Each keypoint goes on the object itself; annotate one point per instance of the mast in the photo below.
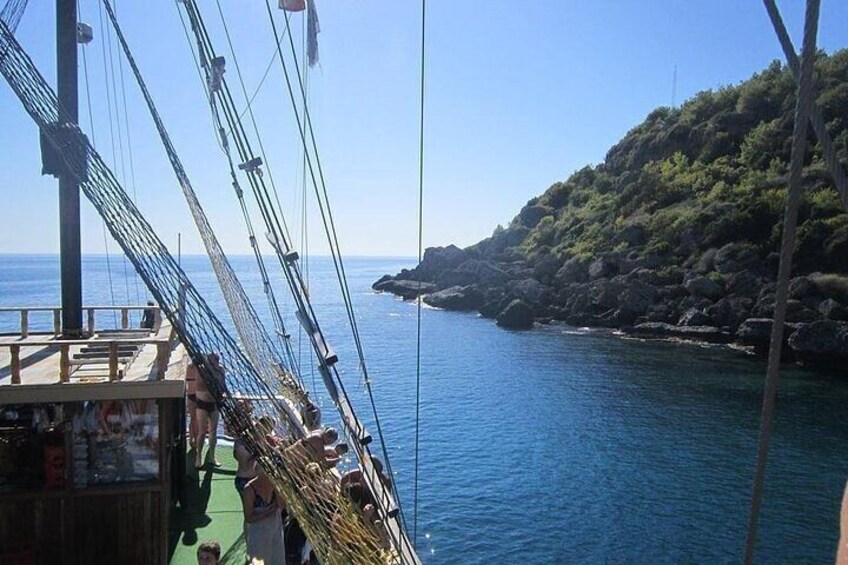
(69, 198)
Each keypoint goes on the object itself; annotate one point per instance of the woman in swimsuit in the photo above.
(263, 521)
(244, 459)
(246, 465)
(207, 418)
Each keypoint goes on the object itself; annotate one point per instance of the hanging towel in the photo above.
(313, 28)
(293, 5)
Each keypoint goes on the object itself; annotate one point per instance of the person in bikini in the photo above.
(262, 504)
(207, 414)
(244, 458)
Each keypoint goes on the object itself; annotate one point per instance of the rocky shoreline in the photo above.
(727, 296)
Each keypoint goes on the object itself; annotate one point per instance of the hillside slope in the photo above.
(676, 232)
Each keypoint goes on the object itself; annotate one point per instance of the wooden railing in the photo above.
(66, 363)
(90, 311)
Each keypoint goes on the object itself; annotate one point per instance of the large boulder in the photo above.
(603, 267)
(484, 272)
(574, 270)
(530, 291)
(672, 292)
(604, 294)
(661, 312)
(456, 298)
(822, 343)
(735, 257)
(704, 287)
(706, 262)
(796, 311)
(649, 276)
(404, 288)
(492, 307)
(756, 332)
(637, 296)
(693, 317)
(651, 261)
(833, 310)
(695, 333)
(671, 275)
(633, 234)
(517, 316)
(381, 280)
(578, 301)
(439, 259)
(729, 312)
(454, 277)
(545, 267)
(744, 283)
(531, 215)
(801, 287)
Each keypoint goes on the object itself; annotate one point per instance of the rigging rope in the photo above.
(249, 109)
(225, 108)
(309, 488)
(129, 143)
(329, 225)
(12, 13)
(304, 191)
(111, 92)
(420, 252)
(803, 104)
(281, 332)
(94, 143)
(253, 336)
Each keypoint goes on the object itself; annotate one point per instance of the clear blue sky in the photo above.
(519, 95)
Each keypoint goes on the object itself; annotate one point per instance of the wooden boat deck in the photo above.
(212, 511)
(46, 368)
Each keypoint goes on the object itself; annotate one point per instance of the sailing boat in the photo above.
(341, 530)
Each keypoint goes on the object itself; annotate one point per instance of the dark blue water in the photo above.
(558, 445)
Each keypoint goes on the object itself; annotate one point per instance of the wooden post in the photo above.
(166, 451)
(113, 361)
(57, 321)
(24, 322)
(162, 349)
(69, 194)
(90, 321)
(15, 350)
(125, 319)
(64, 363)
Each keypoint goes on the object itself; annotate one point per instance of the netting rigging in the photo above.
(84, 50)
(226, 119)
(306, 485)
(252, 336)
(12, 13)
(255, 340)
(113, 115)
(324, 208)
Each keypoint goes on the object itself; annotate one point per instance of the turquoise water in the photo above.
(556, 445)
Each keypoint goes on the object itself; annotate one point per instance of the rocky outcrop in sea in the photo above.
(726, 297)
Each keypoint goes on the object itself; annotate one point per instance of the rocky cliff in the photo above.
(676, 233)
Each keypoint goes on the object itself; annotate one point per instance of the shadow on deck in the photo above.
(212, 511)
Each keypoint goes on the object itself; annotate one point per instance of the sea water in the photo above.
(556, 445)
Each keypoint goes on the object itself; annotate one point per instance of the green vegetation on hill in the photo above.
(694, 178)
